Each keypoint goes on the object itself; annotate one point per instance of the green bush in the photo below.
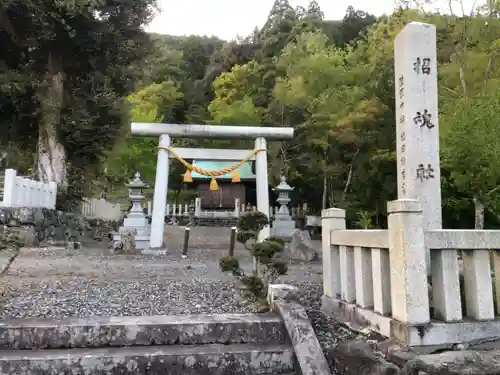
(229, 264)
(268, 261)
(277, 239)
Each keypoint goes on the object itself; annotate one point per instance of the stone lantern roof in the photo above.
(137, 183)
(283, 186)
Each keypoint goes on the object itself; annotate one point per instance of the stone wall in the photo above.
(41, 226)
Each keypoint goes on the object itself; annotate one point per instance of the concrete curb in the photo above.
(309, 355)
(352, 357)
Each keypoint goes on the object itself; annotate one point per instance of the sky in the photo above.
(228, 19)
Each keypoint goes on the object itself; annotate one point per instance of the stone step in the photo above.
(212, 359)
(99, 332)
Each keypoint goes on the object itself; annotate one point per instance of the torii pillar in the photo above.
(260, 134)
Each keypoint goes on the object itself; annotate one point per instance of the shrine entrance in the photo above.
(165, 152)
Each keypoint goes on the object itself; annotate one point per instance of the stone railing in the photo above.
(177, 210)
(20, 191)
(93, 208)
(379, 278)
(182, 210)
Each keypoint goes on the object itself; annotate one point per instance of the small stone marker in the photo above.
(185, 246)
(232, 241)
(419, 174)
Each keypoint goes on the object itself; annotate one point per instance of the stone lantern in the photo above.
(284, 191)
(283, 225)
(136, 220)
(136, 194)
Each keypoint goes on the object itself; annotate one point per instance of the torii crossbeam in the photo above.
(259, 133)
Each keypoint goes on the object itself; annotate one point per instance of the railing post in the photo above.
(331, 219)
(232, 241)
(478, 288)
(37, 193)
(51, 201)
(45, 194)
(409, 289)
(23, 192)
(237, 207)
(17, 200)
(197, 207)
(29, 194)
(8, 187)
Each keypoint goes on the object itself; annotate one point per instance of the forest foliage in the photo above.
(332, 80)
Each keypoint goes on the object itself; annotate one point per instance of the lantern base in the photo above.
(139, 225)
(283, 229)
(153, 252)
(141, 242)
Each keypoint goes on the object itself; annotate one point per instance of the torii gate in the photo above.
(165, 131)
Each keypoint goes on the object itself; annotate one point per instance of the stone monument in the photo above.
(417, 126)
(136, 220)
(283, 225)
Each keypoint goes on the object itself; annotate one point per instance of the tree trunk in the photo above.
(325, 192)
(478, 214)
(51, 161)
(349, 177)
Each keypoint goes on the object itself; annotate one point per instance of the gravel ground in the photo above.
(54, 282)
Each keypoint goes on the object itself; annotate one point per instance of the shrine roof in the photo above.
(245, 171)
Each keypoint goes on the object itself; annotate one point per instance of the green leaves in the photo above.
(229, 264)
(333, 81)
(471, 146)
(93, 48)
(268, 262)
(132, 154)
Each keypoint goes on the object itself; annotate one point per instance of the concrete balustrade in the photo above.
(24, 192)
(379, 278)
(182, 210)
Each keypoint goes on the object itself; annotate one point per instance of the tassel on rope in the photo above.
(213, 185)
(236, 176)
(187, 176)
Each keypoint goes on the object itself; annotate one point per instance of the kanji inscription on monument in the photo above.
(417, 124)
(424, 173)
(402, 147)
(417, 137)
(423, 118)
(422, 65)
